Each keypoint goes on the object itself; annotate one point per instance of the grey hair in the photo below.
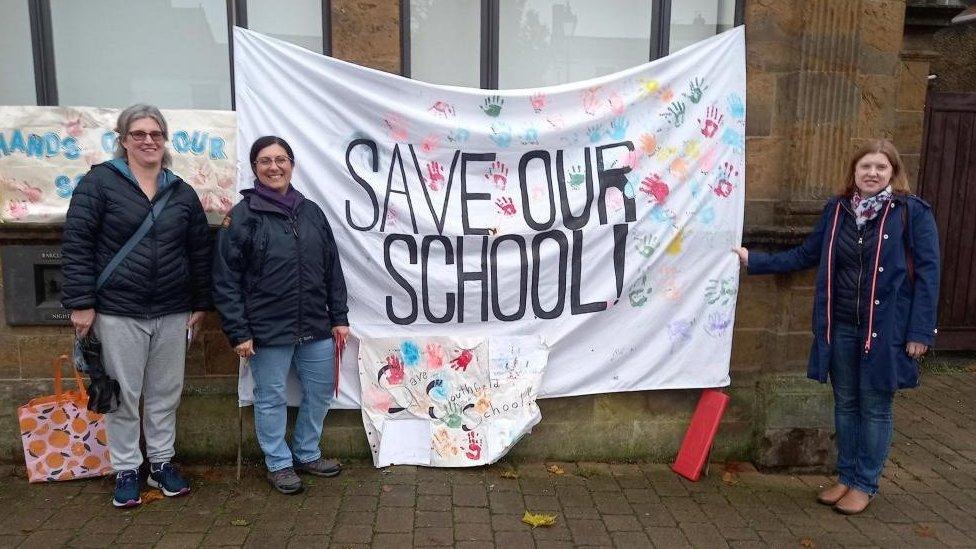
(138, 112)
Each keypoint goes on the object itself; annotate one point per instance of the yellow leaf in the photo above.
(555, 469)
(534, 520)
(150, 496)
(239, 522)
(924, 531)
(729, 478)
(509, 473)
(807, 542)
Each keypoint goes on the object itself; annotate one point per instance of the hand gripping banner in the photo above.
(596, 217)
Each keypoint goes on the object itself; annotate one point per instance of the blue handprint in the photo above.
(737, 108)
(410, 352)
(501, 134)
(530, 137)
(459, 136)
(734, 139)
(595, 133)
(618, 128)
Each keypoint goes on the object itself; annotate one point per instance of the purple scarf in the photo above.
(288, 201)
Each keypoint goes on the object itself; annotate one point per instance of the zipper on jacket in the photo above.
(860, 274)
(298, 254)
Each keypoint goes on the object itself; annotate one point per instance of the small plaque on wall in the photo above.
(32, 286)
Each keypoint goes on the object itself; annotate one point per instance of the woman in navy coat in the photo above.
(876, 249)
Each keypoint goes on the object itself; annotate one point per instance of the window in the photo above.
(112, 53)
(544, 42)
(298, 21)
(16, 55)
(529, 43)
(444, 45)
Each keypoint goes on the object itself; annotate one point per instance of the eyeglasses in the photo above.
(140, 135)
(265, 162)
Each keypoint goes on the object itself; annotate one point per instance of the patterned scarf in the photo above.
(866, 209)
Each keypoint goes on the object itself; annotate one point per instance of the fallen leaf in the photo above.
(807, 542)
(925, 530)
(509, 473)
(730, 478)
(534, 520)
(555, 469)
(150, 496)
(239, 522)
(387, 488)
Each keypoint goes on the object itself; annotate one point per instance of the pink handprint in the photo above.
(474, 446)
(435, 356)
(708, 160)
(655, 187)
(712, 121)
(430, 143)
(33, 194)
(538, 101)
(679, 168)
(225, 182)
(617, 105)
(506, 206)
(394, 370)
(435, 176)
(497, 174)
(633, 159)
(73, 126)
(17, 209)
(225, 205)
(397, 128)
(442, 108)
(460, 363)
(591, 101)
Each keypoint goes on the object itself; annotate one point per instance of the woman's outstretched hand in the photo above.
(916, 349)
(743, 255)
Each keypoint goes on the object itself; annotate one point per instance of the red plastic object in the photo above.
(701, 432)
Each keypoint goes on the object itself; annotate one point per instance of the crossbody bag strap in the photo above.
(141, 232)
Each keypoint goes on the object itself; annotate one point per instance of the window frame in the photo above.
(658, 45)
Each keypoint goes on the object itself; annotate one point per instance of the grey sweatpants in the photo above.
(146, 356)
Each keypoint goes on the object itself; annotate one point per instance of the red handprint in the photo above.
(712, 121)
(538, 101)
(430, 143)
(460, 363)
(506, 206)
(591, 101)
(225, 205)
(435, 356)
(724, 186)
(442, 108)
(33, 194)
(655, 187)
(394, 370)
(397, 127)
(497, 174)
(474, 446)
(435, 176)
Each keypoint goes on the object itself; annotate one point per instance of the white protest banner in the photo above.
(45, 151)
(448, 402)
(597, 216)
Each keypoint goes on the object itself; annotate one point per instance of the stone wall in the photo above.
(822, 76)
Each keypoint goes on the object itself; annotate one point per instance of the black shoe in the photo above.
(321, 467)
(285, 481)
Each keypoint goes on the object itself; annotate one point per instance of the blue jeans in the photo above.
(862, 417)
(270, 364)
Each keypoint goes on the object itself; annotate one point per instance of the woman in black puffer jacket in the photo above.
(140, 287)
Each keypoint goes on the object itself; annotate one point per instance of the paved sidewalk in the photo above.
(928, 498)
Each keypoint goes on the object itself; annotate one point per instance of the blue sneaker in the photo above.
(127, 489)
(165, 477)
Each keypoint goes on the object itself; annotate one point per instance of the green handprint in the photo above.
(452, 417)
(639, 290)
(493, 105)
(646, 244)
(676, 113)
(576, 177)
(720, 290)
(695, 86)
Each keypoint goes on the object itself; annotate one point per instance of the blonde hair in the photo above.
(899, 180)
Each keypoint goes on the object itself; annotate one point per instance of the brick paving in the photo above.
(927, 499)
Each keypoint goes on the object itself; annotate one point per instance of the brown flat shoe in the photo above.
(832, 495)
(853, 502)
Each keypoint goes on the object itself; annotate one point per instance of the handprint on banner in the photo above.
(591, 101)
(632, 159)
(460, 362)
(736, 107)
(665, 154)
(696, 90)
(497, 174)
(442, 108)
(396, 127)
(711, 123)
(640, 290)
(648, 144)
(708, 160)
(576, 177)
(459, 136)
(394, 370)
(655, 188)
(675, 113)
(493, 105)
(538, 101)
(444, 443)
(530, 136)
(679, 169)
(617, 105)
(17, 209)
(718, 323)
(645, 244)
(648, 88)
(720, 290)
(430, 143)
(501, 134)
(735, 139)
(435, 356)
(30, 192)
(474, 446)
(435, 176)
(692, 148)
(724, 185)
(667, 94)
(506, 206)
(618, 128)
(595, 133)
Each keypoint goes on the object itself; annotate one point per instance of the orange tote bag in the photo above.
(62, 439)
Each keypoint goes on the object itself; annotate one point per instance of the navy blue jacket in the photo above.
(899, 309)
(277, 275)
(167, 272)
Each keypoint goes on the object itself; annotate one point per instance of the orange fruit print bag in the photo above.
(62, 439)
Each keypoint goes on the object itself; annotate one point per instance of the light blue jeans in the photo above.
(270, 364)
(862, 417)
